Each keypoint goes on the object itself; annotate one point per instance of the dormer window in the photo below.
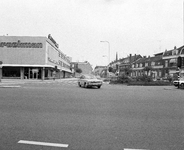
(175, 52)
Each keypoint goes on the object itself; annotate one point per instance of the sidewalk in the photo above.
(5, 82)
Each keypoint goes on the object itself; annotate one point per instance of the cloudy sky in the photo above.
(130, 26)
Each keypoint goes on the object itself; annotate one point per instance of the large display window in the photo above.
(13, 72)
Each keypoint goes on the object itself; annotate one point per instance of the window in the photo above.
(152, 63)
(166, 63)
(175, 52)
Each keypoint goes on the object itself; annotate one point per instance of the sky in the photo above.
(142, 27)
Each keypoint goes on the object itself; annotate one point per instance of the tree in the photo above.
(103, 73)
(110, 69)
(78, 70)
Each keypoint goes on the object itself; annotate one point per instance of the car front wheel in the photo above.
(85, 85)
(99, 86)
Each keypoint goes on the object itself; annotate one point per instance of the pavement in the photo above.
(18, 82)
(13, 83)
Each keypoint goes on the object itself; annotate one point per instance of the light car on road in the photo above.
(179, 83)
(89, 81)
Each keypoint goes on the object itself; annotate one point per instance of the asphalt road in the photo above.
(114, 117)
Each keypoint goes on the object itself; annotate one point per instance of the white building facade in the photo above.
(28, 57)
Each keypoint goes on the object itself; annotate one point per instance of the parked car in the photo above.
(89, 81)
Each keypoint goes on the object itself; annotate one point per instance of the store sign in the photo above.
(53, 61)
(20, 44)
(60, 63)
(53, 41)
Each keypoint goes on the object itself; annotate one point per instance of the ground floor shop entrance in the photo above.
(33, 73)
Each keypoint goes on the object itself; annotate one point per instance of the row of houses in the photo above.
(160, 65)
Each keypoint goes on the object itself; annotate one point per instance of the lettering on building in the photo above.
(20, 44)
(53, 41)
(62, 64)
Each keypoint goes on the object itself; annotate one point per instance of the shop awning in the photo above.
(25, 65)
(66, 69)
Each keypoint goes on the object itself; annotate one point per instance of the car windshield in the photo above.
(90, 77)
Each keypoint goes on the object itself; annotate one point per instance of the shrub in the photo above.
(144, 78)
(123, 78)
(78, 70)
(154, 83)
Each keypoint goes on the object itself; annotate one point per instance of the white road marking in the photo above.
(10, 86)
(134, 149)
(43, 143)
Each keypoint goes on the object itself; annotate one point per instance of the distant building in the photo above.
(99, 69)
(170, 61)
(84, 66)
(155, 65)
(126, 63)
(32, 57)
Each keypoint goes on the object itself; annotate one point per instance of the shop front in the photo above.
(26, 57)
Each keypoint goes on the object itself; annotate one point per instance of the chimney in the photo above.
(135, 57)
(116, 56)
(130, 58)
(175, 47)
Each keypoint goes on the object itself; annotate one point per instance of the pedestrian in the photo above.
(54, 75)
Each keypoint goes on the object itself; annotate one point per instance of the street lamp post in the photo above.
(108, 50)
(108, 54)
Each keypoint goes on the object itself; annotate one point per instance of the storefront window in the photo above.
(11, 72)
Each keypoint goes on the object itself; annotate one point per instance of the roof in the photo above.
(100, 67)
(156, 58)
(149, 59)
(141, 60)
(86, 62)
(180, 50)
(159, 54)
(168, 53)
